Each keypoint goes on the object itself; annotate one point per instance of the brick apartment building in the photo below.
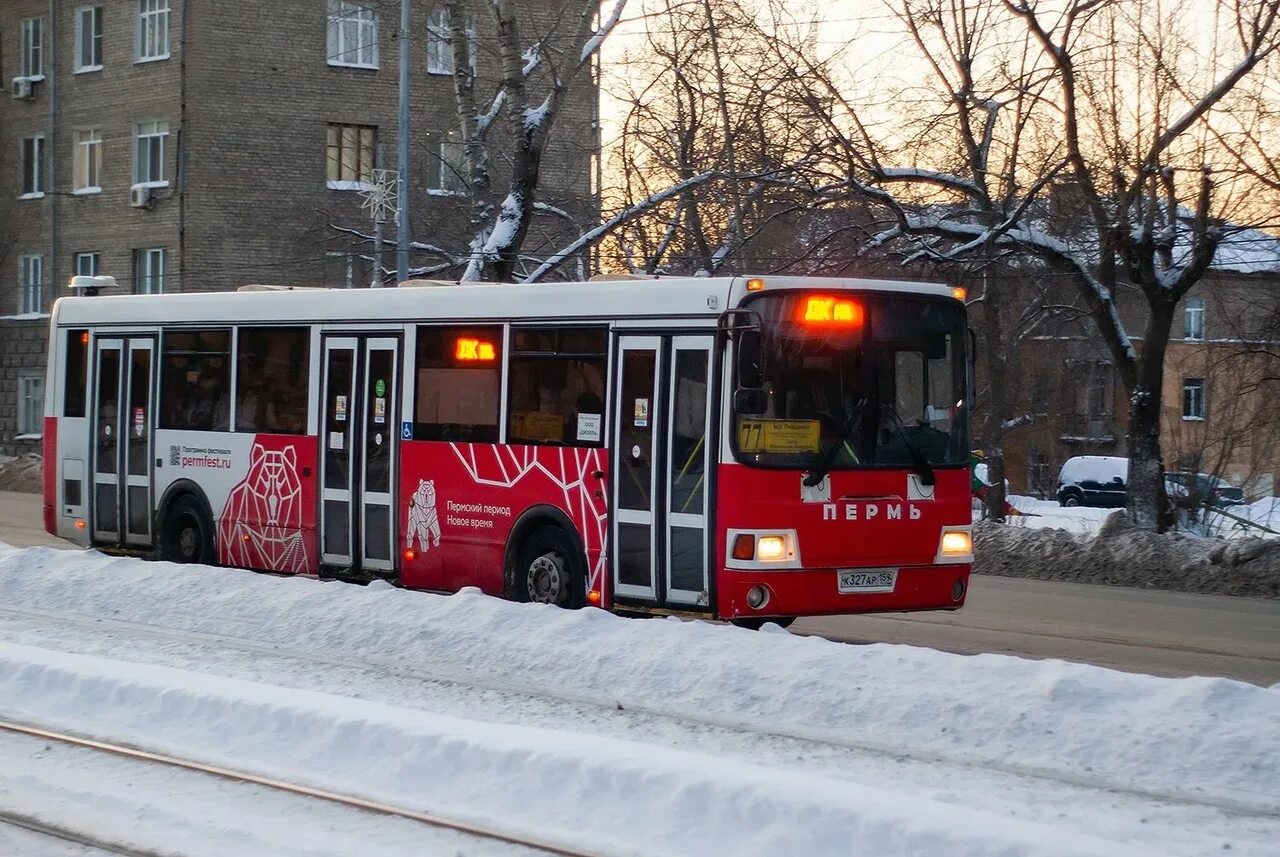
(193, 145)
(1221, 397)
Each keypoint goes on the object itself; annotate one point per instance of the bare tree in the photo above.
(1114, 103)
(544, 53)
(704, 114)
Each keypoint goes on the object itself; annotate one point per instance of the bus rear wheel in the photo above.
(549, 571)
(187, 533)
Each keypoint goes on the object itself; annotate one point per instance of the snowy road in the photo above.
(626, 736)
(1146, 631)
(148, 808)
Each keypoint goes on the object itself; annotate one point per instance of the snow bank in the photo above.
(1041, 514)
(21, 473)
(1203, 739)
(1111, 552)
(618, 796)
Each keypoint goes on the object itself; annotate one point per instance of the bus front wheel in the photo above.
(187, 533)
(549, 570)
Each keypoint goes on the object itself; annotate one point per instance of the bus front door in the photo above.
(124, 389)
(662, 458)
(360, 444)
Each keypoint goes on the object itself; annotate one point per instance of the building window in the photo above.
(557, 388)
(1193, 398)
(458, 382)
(88, 39)
(148, 271)
(32, 167)
(271, 386)
(149, 143)
(30, 404)
(1193, 319)
(350, 156)
(30, 284)
(87, 264)
(195, 380)
(440, 42)
(353, 34)
(33, 48)
(88, 165)
(153, 30)
(1097, 390)
(446, 174)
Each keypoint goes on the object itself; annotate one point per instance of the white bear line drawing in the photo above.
(424, 524)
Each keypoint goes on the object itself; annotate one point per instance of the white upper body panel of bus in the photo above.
(661, 300)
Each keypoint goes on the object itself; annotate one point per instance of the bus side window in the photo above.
(457, 383)
(77, 366)
(195, 381)
(557, 385)
(271, 379)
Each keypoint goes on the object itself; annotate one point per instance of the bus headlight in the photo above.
(760, 549)
(956, 545)
(771, 548)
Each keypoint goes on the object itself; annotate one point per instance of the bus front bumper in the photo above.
(817, 592)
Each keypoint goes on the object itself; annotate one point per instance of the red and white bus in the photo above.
(737, 448)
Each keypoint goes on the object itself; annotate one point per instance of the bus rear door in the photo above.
(661, 470)
(124, 390)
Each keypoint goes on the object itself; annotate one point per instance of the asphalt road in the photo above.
(1137, 630)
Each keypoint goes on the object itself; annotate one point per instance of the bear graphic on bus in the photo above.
(262, 526)
(424, 523)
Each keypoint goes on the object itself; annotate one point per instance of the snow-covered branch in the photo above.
(597, 38)
(587, 238)
(944, 180)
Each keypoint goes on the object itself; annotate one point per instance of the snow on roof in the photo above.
(1248, 251)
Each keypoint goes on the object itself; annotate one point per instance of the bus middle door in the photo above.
(360, 453)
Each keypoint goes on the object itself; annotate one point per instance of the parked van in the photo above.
(1101, 480)
(1093, 480)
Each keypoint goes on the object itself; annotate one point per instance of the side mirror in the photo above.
(750, 401)
(750, 373)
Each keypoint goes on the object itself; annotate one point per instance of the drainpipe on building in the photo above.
(181, 178)
(402, 235)
(51, 156)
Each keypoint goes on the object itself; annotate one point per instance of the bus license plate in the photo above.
(867, 579)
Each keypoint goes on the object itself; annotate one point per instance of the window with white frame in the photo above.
(1193, 319)
(88, 39)
(31, 403)
(32, 52)
(88, 166)
(30, 284)
(349, 156)
(440, 42)
(87, 264)
(1193, 398)
(33, 167)
(153, 30)
(446, 174)
(148, 271)
(150, 142)
(353, 34)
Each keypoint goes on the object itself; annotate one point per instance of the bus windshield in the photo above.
(852, 379)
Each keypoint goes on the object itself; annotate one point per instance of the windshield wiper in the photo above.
(844, 433)
(922, 467)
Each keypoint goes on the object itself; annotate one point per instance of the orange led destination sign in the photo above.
(832, 312)
(474, 351)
